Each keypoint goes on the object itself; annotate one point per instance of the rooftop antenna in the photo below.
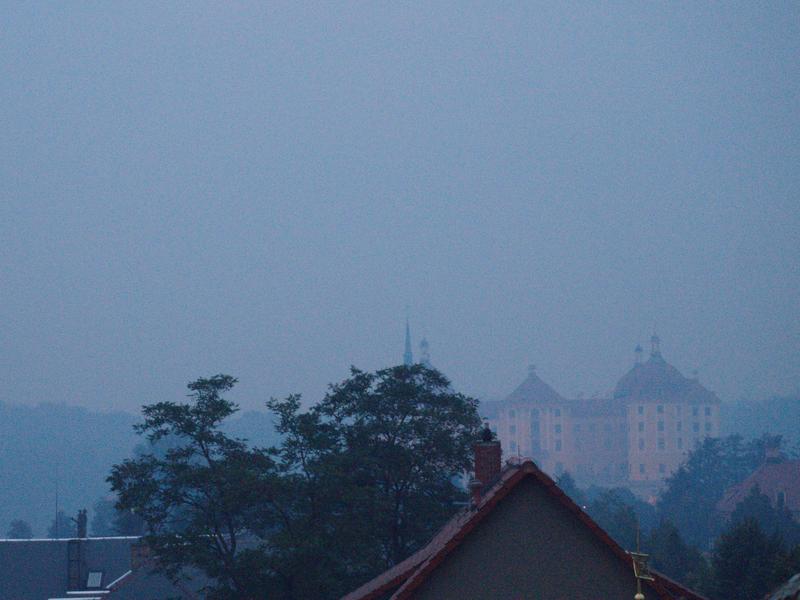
(640, 569)
(58, 525)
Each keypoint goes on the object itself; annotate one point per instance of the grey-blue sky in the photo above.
(261, 189)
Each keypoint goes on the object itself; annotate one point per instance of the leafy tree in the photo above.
(773, 520)
(616, 516)
(200, 497)
(373, 468)
(567, 484)
(108, 520)
(19, 530)
(692, 492)
(62, 527)
(671, 556)
(744, 562)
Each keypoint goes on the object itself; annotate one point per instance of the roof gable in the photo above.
(405, 578)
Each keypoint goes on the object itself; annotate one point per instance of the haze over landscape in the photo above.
(210, 212)
(261, 190)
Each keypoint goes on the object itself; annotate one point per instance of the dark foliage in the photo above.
(693, 491)
(19, 530)
(371, 469)
(358, 482)
(747, 563)
(673, 557)
(200, 498)
(772, 520)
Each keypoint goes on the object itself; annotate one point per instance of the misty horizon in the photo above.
(263, 190)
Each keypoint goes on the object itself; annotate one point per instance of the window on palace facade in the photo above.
(695, 427)
(558, 427)
(678, 426)
(641, 444)
(608, 443)
(662, 469)
(513, 446)
(576, 428)
(660, 409)
(695, 411)
(578, 445)
(558, 412)
(780, 500)
(708, 411)
(559, 467)
(607, 428)
(640, 410)
(680, 443)
(512, 429)
(641, 426)
(641, 469)
(623, 467)
(661, 444)
(511, 414)
(592, 427)
(661, 425)
(558, 445)
(708, 426)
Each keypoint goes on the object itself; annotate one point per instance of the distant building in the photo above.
(777, 478)
(520, 537)
(636, 438)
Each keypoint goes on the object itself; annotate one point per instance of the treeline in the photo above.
(736, 557)
(357, 482)
(55, 452)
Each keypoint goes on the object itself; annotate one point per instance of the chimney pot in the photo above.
(488, 457)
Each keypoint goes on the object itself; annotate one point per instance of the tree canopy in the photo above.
(358, 481)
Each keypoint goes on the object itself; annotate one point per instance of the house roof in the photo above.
(771, 478)
(401, 580)
(37, 569)
(788, 591)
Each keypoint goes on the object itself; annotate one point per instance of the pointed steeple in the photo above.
(408, 358)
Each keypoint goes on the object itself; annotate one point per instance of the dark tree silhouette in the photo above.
(19, 530)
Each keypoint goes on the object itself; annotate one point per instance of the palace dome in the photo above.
(656, 379)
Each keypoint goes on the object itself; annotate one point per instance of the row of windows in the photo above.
(695, 410)
(679, 426)
(622, 468)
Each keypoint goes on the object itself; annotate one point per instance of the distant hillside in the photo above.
(777, 415)
(49, 443)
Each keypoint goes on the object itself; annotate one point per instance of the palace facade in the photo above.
(636, 438)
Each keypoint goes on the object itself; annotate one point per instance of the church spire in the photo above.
(408, 358)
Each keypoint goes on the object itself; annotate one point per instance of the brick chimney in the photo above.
(488, 456)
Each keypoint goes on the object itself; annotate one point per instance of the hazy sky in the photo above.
(261, 189)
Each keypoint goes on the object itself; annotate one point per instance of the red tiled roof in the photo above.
(407, 575)
(771, 478)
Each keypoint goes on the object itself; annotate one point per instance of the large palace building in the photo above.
(636, 438)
